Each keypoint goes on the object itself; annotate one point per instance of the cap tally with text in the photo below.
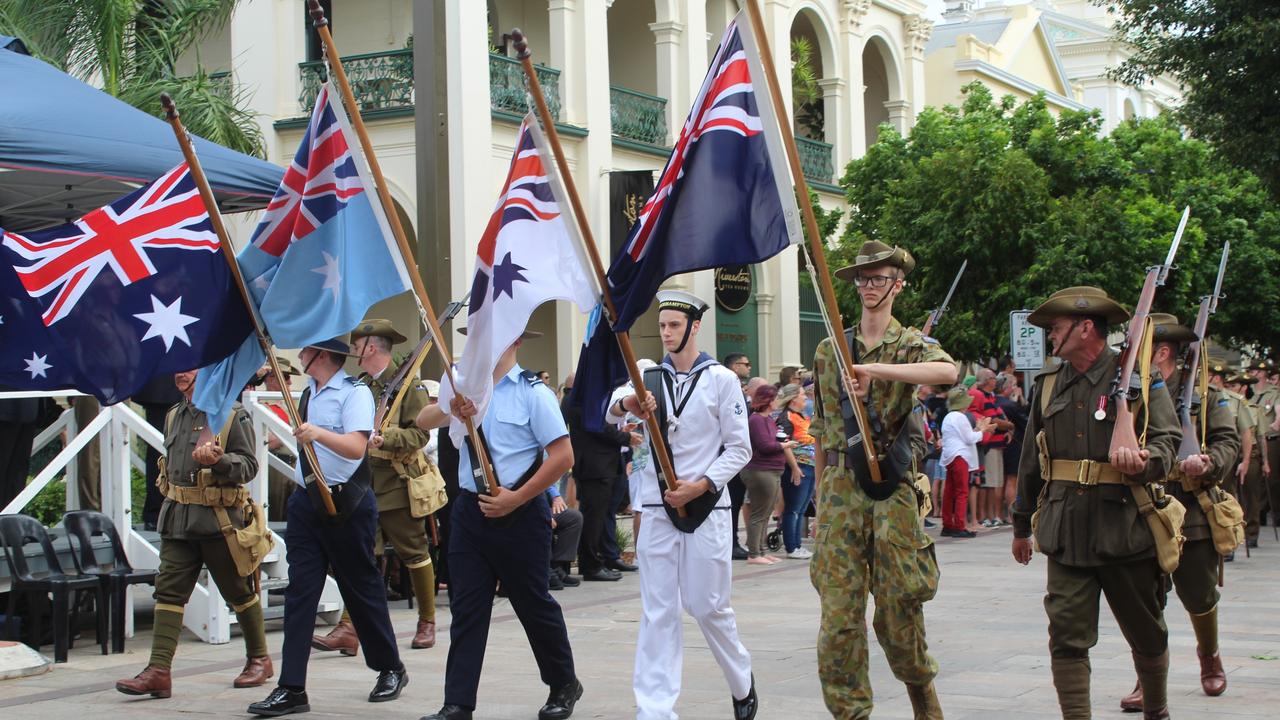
(687, 303)
(377, 327)
(1168, 329)
(1078, 301)
(874, 253)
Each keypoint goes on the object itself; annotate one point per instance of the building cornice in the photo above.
(1013, 81)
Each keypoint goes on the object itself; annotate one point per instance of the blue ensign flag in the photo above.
(133, 290)
(725, 198)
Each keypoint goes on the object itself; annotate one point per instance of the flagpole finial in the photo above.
(520, 43)
(317, 13)
(170, 110)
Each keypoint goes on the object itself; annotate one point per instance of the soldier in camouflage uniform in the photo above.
(198, 473)
(1087, 520)
(389, 450)
(1267, 399)
(1196, 578)
(864, 544)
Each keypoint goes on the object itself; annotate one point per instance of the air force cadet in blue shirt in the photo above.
(507, 536)
(337, 414)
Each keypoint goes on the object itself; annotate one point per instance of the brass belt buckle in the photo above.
(1082, 472)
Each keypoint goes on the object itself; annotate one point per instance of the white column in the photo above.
(838, 122)
(269, 36)
(851, 34)
(918, 31)
(565, 44)
(668, 36)
(900, 115)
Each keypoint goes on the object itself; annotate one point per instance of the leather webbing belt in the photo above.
(208, 496)
(839, 459)
(1086, 472)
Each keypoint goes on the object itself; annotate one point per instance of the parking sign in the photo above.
(1026, 341)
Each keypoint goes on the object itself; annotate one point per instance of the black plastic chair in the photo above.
(82, 526)
(15, 532)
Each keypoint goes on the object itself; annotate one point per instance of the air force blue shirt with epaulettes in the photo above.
(521, 421)
(342, 405)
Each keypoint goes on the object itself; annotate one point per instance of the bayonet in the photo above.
(1173, 247)
(936, 315)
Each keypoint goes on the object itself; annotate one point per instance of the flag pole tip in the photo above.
(317, 13)
(170, 110)
(521, 44)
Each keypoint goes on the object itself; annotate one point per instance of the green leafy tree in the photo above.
(1038, 203)
(1225, 55)
(130, 48)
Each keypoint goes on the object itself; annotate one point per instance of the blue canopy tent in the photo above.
(67, 148)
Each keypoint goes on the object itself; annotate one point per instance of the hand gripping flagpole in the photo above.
(624, 338)
(835, 327)
(215, 218)
(425, 310)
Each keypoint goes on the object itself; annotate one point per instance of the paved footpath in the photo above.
(986, 627)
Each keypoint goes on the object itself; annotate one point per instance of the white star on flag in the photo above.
(37, 365)
(332, 278)
(167, 322)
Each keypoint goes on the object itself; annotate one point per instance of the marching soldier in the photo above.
(1267, 398)
(204, 468)
(1086, 516)
(391, 452)
(1197, 575)
(870, 536)
(1238, 405)
(1253, 476)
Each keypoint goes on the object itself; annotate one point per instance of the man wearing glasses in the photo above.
(739, 363)
(870, 536)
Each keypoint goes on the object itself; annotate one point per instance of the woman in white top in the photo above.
(960, 438)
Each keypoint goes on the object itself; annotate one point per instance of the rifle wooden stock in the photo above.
(1123, 436)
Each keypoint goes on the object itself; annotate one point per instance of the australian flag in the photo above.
(133, 290)
(321, 256)
(725, 197)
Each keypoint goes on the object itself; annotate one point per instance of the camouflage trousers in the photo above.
(878, 547)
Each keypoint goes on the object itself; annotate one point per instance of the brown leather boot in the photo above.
(341, 638)
(1133, 701)
(153, 681)
(924, 702)
(425, 637)
(1212, 677)
(256, 672)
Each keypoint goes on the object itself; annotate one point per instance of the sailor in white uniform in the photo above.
(690, 567)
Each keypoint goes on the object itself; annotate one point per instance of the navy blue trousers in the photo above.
(313, 547)
(610, 551)
(482, 553)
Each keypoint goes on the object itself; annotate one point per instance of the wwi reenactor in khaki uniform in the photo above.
(1267, 398)
(1238, 406)
(202, 467)
(1196, 578)
(389, 450)
(1087, 523)
(865, 543)
(1252, 476)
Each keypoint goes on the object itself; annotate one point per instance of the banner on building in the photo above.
(628, 192)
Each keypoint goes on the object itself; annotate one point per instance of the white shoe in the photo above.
(800, 554)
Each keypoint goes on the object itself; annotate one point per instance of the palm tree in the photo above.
(130, 48)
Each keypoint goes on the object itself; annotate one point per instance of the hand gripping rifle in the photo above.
(1122, 388)
(394, 391)
(1191, 441)
(936, 314)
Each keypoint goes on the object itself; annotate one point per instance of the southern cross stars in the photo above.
(167, 322)
(505, 275)
(332, 277)
(37, 365)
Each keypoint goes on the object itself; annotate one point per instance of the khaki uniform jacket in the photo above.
(1242, 416)
(1089, 526)
(1221, 444)
(1268, 402)
(402, 436)
(237, 466)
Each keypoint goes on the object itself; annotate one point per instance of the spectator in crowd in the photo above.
(739, 364)
(739, 501)
(1009, 400)
(566, 531)
(798, 489)
(960, 457)
(789, 375)
(933, 445)
(990, 449)
(763, 473)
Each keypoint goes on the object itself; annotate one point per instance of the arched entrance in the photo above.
(881, 87)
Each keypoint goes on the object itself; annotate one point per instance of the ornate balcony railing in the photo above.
(815, 159)
(637, 116)
(507, 90)
(380, 81)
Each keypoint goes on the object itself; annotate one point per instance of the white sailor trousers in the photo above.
(693, 572)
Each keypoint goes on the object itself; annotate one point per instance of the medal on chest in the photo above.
(1101, 413)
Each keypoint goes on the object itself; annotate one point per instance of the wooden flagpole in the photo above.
(425, 309)
(835, 326)
(215, 217)
(624, 338)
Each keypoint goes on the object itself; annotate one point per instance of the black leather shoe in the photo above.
(389, 685)
(603, 574)
(561, 701)
(620, 566)
(739, 552)
(450, 712)
(1251, 543)
(281, 701)
(567, 579)
(745, 709)
(554, 582)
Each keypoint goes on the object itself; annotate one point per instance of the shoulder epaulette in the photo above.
(531, 377)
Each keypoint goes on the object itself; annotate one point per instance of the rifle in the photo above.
(936, 314)
(1191, 443)
(1124, 435)
(393, 393)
